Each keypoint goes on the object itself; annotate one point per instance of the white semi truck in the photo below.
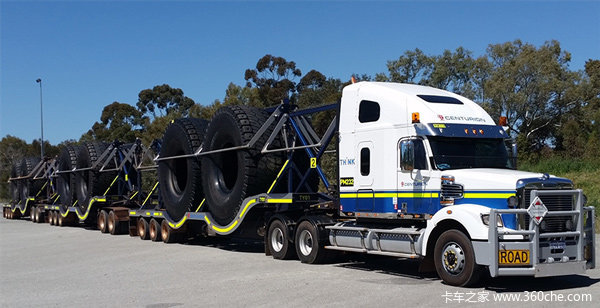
(422, 173)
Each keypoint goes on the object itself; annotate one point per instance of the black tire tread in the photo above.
(193, 130)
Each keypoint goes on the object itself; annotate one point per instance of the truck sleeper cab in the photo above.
(421, 171)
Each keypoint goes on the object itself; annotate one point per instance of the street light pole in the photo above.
(39, 80)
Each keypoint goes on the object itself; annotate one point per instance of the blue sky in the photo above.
(91, 53)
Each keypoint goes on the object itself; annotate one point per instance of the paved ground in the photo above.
(43, 265)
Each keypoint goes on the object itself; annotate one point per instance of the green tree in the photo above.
(118, 121)
(533, 88)
(274, 77)
(411, 67)
(163, 99)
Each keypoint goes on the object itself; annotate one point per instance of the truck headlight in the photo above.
(485, 218)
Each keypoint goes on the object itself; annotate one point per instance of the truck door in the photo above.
(364, 178)
(413, 196)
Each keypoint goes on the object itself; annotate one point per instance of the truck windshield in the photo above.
(459, 153)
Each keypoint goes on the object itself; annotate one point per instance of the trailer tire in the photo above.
(279, 242)
(142, 229)
(61, 221)
(103, 221)
(154, 229)
(39, 215)
(231, 176)
(115, 226)
(168, 234)
(54, 218)
(65, 182)
(454, 259)
(180, 186)
(92, 183)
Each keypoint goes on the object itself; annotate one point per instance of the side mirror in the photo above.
(407, 155)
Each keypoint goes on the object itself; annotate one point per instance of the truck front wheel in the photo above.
(455, 259)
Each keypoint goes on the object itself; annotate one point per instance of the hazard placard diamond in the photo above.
(537, 210)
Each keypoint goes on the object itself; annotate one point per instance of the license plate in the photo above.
(558, 245)
(513, 257)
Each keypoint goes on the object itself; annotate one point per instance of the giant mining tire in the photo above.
(65, 182)
(92, 183)
(15, 186)
(30, 187)
(179, 179)
(229, 177)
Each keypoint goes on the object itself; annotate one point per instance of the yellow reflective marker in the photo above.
(313, 162)
(199, 206)
(277, 177)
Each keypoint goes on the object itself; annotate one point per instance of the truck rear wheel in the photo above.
(142, 229)
(309, 245)
(154, 230)
(279, 243)
(454, 259)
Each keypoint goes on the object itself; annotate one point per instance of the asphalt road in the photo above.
(43, 265)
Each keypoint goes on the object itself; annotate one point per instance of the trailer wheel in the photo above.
(168, 234)
(60, 220)
(102, 221)
(155, 230)
(454, 259)
(279, 243)
(39, 215)
(142, 229)
(229, 177)
(179, 178)
(309, 245)
(65, 182)
(114, 225)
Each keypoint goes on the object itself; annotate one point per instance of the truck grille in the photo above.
(454, 191)
(552, 203)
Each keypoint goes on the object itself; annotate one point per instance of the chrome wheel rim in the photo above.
(277, 240)
(453, 258)
(305, 242)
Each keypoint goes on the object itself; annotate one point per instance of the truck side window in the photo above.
(368, 111)
(365, 161)
(420, 156)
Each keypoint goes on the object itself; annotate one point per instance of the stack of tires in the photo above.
(223, 179)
